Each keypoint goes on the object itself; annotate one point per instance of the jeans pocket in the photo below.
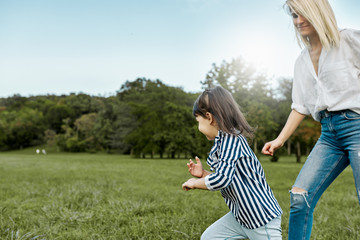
(351, 115)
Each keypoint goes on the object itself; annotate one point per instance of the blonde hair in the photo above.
(321, 16)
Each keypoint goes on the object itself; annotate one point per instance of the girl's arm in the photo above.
(194, 183)
(292, 123)
(196, 169)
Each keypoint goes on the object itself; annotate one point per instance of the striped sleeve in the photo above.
(225, 170)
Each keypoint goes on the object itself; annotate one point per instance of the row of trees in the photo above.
(147, 117)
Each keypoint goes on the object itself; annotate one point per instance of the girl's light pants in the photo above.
(228, 228)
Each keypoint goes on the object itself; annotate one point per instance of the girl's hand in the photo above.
(189, 184)
(197, 169)
(270, 147)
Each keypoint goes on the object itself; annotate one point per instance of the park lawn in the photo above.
(102, 196)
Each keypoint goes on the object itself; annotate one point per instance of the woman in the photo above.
(327, 86)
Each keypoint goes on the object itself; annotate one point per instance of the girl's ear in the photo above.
(210, 117)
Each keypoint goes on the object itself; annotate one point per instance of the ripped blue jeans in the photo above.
(337, 147)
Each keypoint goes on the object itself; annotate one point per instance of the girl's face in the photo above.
(304, 27)
(207, 126)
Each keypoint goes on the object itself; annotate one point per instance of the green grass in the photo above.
(99, 196)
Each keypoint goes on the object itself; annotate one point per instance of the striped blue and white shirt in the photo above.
(241, 179)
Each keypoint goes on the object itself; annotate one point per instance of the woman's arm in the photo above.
(292, 123)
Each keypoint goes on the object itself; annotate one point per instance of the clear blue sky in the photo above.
(94, 46)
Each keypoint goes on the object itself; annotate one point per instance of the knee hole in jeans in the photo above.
(298, 198)
(296, 190)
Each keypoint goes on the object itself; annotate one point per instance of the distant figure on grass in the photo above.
(254, 211)
(43, 151)
(327, 86)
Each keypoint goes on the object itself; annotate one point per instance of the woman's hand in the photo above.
(195, 169)
(292, 123)
(270, 147)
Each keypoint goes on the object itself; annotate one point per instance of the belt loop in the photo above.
(323, 114)
(326, 113)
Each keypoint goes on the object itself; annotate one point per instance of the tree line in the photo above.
(147, 118)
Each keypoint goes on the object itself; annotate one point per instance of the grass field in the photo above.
(99, 196)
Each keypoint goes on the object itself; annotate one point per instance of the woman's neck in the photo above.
(315, 51)
(315, 43)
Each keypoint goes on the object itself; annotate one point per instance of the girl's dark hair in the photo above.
(221, 104)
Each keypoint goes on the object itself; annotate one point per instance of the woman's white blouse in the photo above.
(337, 85)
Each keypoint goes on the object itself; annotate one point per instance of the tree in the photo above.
(154, 109)
(50, 137)
(283, 107)
(16, 102)
(177, 129)
(84, 127)
(79, 103)
(3, 133)
(259, 116)
(235, 76)
(124, 122)
(22, 128)
(67, 140)
(56, 115)
(306, 134)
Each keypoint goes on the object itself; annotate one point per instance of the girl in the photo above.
(254, 211)
(327, 86)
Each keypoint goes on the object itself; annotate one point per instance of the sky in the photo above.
(94, 46)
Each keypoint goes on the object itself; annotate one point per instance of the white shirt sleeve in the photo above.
(353, 40)
(298, 102)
